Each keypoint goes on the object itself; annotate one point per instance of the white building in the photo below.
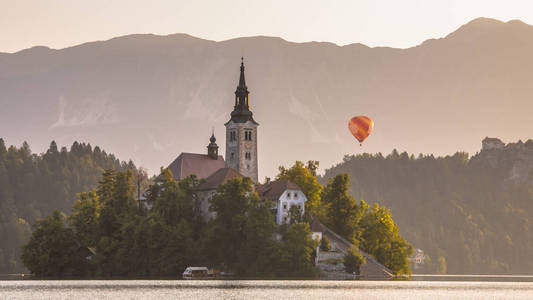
(418, 258)
(284, 194)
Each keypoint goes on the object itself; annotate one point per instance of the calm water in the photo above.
(179, 289)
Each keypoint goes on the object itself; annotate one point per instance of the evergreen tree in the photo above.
(343, 214)
(84, 218)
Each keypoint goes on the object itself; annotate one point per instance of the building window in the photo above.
(288, 195)
(232, 156)
(248, 155)
(248, 167)
(232, 136)
(247, 135)
(285, 206)
(295, 195)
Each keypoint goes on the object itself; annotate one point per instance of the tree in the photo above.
(231, 203)
(324, 244)
(52, 250)
(55, 178)
(171, 200)
(380, 238)
(295, 215)
(353, 260)
(312, 165)
(305, 178)
(343, 214)
(297, 250)
(3, 149)
(442, 265)
(259, 248)
(241, 235)
(84, 218)
(124, 202)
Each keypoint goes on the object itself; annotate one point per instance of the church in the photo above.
(241, 161)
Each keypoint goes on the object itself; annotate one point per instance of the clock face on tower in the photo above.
(247, 145)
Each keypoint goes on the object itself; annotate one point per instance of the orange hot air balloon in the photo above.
(361, 127)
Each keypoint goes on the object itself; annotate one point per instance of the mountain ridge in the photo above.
(163, 94)
(473, 23)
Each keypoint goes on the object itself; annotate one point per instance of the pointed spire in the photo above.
(241, 94)
(242, 80)
(241, 112)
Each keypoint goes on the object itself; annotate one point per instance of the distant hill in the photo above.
(475, 212)
(149, 97)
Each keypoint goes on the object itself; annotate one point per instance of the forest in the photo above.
(470, 215)
(32, 186)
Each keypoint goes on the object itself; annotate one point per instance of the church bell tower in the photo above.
(241, 133)
(212, 148)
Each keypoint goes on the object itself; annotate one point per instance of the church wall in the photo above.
(248, 168)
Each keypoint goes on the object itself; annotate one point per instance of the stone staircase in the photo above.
(371, 270)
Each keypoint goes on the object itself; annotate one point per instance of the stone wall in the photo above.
(240, 147)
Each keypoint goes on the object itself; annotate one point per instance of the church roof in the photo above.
(219, 177)
(200, 165)
(273, 190)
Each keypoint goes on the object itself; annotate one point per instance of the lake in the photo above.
(262, 289)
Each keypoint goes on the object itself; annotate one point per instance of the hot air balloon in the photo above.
(361, 127)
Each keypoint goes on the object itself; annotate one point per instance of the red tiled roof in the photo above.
(274, 189)
(219, 177)
(200, 165)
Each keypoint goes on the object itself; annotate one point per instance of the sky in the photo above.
(402, 24)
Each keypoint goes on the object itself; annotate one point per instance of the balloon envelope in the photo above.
(360, 127)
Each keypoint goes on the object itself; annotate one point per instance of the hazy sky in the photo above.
(395, 23)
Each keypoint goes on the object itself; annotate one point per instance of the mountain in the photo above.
(470, 215)
(149, 97)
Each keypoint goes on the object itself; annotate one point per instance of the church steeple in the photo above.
(241, 111)
(242, 81)
(241, 133)
(212, 148)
